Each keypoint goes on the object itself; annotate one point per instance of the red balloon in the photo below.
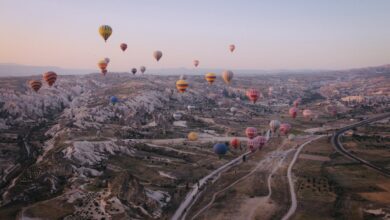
(293, 112)
(284, 128)
(250, 132)
(253, 95)
(50, 77)
(123, 46)
(256, 143)
(235, 143)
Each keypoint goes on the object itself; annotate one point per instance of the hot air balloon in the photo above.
(284, 128)
(227, 76)
(105, 31)
(252, 95)
(252, 144)
(181, 85)
(50, 77)
(233, 110)
(261, 141)
(196, 63)
(107, 60)
(142, 69)
(307, 113)
(291, 137)
(113, 100)
(270, 90)
(274, 125)
(102, 64)
(157, 55)
(232, 47)
(134, 71)
(293, 112)
(235, 143)
(177, 116)
(35, 84)
(220, 149)
(104, 72)
(123, 46)
(210, 78)
(192, 136)
(256, 143)
(250, 132)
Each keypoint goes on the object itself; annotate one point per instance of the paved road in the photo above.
(189, 200)
(293, 206)
(340, 148)
(259, 164)
(192, 196)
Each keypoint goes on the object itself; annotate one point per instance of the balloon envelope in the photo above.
(105, 31)
(252, 95)
(113, 99)
(220, 148)
(293, 112)
(284, 128)
(123, 46)
(50, 77)
(232, 47)
(227, 76)
(157, 55)
(35, 85)
(142, 69)
(250, 132)
(181, 85)
(235, 143)
(210, 78)
(196, 63)
(274, 125)
(192, 136)
(307, 113)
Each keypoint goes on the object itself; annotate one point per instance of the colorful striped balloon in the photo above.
(181, 85)
(50, 77)
(35, 85)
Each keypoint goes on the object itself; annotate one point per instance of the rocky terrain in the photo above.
(66, 152)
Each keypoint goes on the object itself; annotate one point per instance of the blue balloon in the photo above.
(220, 148)
(113, 99)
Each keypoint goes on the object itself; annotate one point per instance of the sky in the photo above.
(274, 34)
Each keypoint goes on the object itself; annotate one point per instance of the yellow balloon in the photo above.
(210, 78)
(192, 136)
(105, 31)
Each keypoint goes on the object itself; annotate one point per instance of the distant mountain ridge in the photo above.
(9, 69)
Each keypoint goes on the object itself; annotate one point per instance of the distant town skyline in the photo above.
(267, 34)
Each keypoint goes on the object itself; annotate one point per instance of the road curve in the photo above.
(340, 148)
(293, 206)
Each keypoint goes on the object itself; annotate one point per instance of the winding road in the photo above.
(293, 205)
(340, 148)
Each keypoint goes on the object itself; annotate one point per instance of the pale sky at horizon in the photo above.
(331, 34)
